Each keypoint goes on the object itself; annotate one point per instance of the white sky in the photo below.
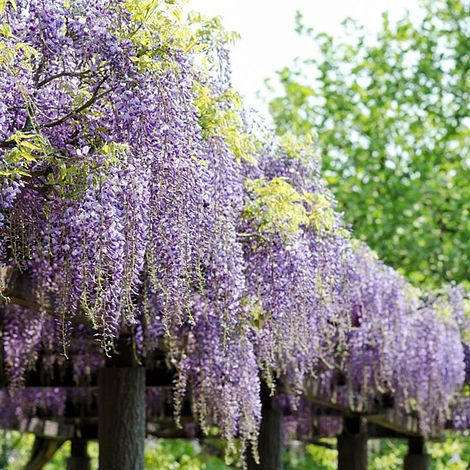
(268, 40)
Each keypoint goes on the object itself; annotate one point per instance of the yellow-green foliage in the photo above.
(165, 23)
(320, 213)
(219, 115)
(4, 3)
(29, 146)
(298, 146)
(254, 307)
(22, 52)
(156, 24)
(159, 24)
(276, 206)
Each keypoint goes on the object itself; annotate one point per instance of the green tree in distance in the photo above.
(391, 114)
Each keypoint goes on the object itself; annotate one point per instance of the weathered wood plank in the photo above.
(20, 290)
(406, 425)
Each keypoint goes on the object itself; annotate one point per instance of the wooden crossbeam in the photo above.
(381, 413)
(47, 428)
(87, 429)
(163, 428)
(403, 424)
(19, 289)
(396, 426)
(63, 377)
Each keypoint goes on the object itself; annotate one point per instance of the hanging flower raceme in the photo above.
(296, 256)
(116, 164)
(222, 375)
(401, 347)
(434, 369)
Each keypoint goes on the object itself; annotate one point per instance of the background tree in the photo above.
(391, 114)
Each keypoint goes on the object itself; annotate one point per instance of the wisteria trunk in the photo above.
(121, 426)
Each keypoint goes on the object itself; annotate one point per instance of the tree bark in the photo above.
(121, 405)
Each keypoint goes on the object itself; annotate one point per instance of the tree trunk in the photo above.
(352, 446)
(121, 405)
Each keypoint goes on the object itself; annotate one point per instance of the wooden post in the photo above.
(270, 444)
(416, 459)
(352, 445)
(78, 459)
(121, 407)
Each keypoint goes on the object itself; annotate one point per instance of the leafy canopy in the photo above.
(392, 119)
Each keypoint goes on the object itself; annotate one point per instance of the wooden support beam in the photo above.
(352, 445)
(311, 394)
(19, 289)
(47, 428)
(270, 444)
(79, 459)
(7, 274)
(62, 377)
(375, 431)
(42, 452)
(416, 459)
(402, 424)
(165, 429)
(121, 405)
